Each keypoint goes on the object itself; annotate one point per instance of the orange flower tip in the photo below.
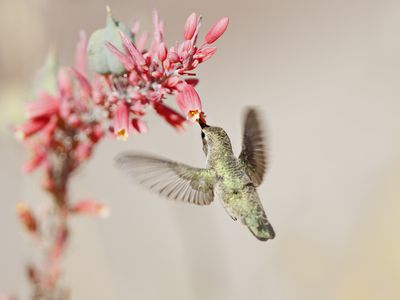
(122, 134)
(196, 116)
(104, 211)
(21, 208)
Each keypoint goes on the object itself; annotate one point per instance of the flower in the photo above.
(90, 207)
(190, 26)
(189, 102)
(27, 218)
(121, 122)
(216, 30)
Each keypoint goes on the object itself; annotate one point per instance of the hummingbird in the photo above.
(233, 181)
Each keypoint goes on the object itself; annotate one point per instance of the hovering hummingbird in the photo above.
(231, 180)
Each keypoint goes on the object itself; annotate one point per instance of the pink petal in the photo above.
(162, 52)
(121, 122)
(188, 100)
(168, 114)
(190, 26)
(37, 159)
(126, 60)
(31, 127)
(90, 207)
(83, 151)
(81, 53)
(135, 27)
(206, 53)
(84, 83)
(47, 105)
(133, 51)
(141, 41)
(64, 83)
(216, 30)
(139, 125)
(192, 81)
(173, 57)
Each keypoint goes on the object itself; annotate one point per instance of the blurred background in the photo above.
(326, 75)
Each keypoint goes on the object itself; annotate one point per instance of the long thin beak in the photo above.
(202, 123)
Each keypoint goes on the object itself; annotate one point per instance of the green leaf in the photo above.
(100, 58)
(46, 78)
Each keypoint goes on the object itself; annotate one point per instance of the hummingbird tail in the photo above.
(261, 229)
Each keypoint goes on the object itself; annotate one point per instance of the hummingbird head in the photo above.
(215, 138)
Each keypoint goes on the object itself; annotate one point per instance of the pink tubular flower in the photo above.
(189, 103)
(27, 218)
(216, 30)
(81, 53)
(139, 126)
(168, 114)
(86, 89)
(162, 52)
(45, 106)
(30, 127)
(121, 122)
(190, 26)
(90, 207)
(38, 158)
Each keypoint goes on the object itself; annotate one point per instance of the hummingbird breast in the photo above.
(240, 199)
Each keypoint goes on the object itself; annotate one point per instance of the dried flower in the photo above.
(27, 218)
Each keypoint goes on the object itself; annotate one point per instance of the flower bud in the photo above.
(190, 26)
(216, 30)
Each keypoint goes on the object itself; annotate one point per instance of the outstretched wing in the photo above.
(253, 156)
(173, 180)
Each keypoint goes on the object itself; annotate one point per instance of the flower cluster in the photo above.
(63, 127)
(152, 74)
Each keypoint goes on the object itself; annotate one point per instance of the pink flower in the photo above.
(31, 127)
(125, 59)
(190, 27)
(121, 122)
(38, 158)
(216, 30)
(162, 52)
(83, 151)
(81, 53)
(90, 207)
(168, 114)
(189, 102)
(59, 246)
(86, 89)
(135, 55)
(139, 125)
(45, 106)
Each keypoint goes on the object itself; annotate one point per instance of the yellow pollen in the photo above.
(122, 134)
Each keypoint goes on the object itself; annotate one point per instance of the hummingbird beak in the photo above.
(202, 122)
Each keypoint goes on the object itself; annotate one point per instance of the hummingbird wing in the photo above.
(171, 179)
(253, 157)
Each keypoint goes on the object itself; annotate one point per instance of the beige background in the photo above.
(325, 73)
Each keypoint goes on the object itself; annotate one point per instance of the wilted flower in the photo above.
(27, 218)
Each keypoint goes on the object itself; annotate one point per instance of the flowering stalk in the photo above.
(63, 127)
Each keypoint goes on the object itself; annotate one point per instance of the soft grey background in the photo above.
(326, 75)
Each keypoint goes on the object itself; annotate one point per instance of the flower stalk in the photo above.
(63, 127)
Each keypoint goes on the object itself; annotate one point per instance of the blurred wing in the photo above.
(173, 180)
(253, 156)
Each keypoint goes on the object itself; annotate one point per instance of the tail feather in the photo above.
(261, 229)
